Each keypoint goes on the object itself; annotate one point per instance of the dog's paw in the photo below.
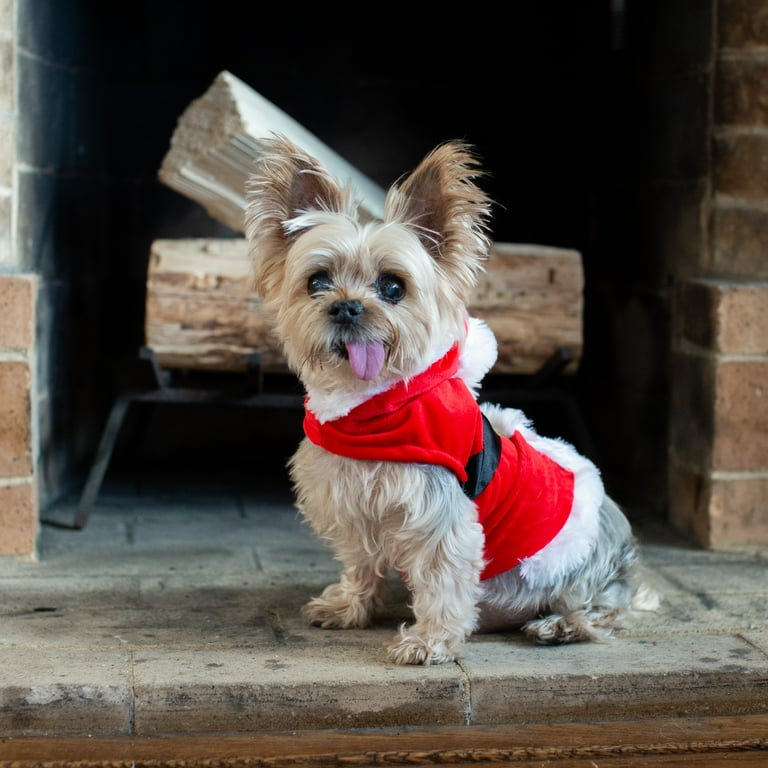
(321, 613)
(410, 648)
(579, 626)
(552, 630)
(335, 608)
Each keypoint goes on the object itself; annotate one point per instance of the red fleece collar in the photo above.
(431, 419)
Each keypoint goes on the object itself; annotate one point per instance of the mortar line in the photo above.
(468, 682)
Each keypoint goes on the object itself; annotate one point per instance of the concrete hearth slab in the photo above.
(178, 612)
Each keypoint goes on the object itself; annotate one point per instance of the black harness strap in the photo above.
(481, 466)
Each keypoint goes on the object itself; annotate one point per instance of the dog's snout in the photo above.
(346, 311)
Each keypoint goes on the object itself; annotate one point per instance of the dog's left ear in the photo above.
(286, 183)
(446, 209)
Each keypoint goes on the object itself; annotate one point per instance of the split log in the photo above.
(219, 138)
(202, 313)
(532, 298)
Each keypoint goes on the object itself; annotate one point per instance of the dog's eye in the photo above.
(390, 288)
(320, 281)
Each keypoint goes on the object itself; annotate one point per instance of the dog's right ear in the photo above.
(286, 184)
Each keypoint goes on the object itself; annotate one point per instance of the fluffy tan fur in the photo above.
(405, 282)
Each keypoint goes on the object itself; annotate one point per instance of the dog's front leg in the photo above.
(349, 603)
(445, 609)
(444, 576)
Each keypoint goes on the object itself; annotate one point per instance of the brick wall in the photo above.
(18, 293)
(18, 493)
(718, 462)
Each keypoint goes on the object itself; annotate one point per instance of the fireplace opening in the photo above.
(548, 96)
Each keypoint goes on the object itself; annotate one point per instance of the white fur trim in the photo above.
(576, 540)
(328, 406)
(476, 357)
(478, 354)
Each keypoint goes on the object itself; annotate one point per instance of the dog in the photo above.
(491, 525)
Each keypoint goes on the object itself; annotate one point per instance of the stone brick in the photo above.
(718, 511)
(7, 75)
(742, 23)
(738, 512)
(740, 439)
(17, 311)
(741, 165)
(700, 676)
(738, 240)
(15, 416)
(723, 316)
(89, 692)
(743, 319)
(7, 17)
(18, 519)
(692, 395)
(741, 90)
(173, 693)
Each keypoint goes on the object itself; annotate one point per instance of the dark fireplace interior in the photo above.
(548, 93)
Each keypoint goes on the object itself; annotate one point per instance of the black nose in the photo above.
(344, 312)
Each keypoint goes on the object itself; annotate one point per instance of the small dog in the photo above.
(491, 525)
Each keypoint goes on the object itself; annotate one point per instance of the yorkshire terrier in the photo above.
(491, 525)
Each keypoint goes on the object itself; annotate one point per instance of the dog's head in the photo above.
(358, 304)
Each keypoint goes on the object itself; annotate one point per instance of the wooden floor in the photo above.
(740, 741)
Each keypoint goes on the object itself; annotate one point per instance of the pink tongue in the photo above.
(366, 359)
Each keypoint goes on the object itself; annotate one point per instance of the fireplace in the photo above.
(636, 133)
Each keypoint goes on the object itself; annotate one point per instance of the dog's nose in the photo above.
(346, 311)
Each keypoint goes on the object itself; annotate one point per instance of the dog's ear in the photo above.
(446, 210)
(287, 182)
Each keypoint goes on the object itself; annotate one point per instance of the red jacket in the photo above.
(523, 497)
